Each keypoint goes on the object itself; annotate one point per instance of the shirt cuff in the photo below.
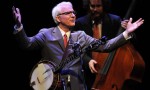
(126, 35)
(17, 29)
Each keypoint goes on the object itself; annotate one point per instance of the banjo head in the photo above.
(41, 77)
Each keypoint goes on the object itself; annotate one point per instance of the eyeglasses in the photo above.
(68, 13)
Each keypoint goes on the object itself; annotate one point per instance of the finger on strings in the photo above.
(91, 70)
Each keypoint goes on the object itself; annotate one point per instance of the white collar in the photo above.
(63, 33)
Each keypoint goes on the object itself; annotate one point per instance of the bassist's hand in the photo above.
(91, 66)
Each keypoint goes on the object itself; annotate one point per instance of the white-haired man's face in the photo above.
(67, 16)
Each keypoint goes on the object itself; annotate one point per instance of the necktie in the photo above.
(96, 34)
(97, 31)
(65, 40)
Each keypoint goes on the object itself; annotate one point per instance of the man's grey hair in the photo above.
(58, 8)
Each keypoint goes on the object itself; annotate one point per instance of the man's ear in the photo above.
(58, 19)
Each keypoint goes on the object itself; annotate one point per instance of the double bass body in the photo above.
(122, 69)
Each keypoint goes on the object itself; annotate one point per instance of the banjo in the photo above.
(42, 77)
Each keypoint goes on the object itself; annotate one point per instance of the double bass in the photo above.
(122, 69)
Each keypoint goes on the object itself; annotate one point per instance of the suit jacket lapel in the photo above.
(59, 38)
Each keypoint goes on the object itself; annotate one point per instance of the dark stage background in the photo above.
(16, 64)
